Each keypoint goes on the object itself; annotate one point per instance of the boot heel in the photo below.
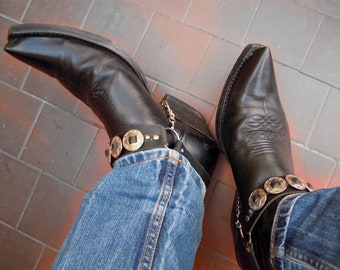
(188, 115)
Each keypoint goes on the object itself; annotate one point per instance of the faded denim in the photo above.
(145, 214)
(306, 231)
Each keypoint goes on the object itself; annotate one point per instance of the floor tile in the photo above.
(322, 61)
(186, 48)
(49, 89)
(62, 12)
(86, 114)
(312, 167)
(168, 54)
(96, 164)
(221, 264)
(17, 251)
(14, 9)
(300, 25)
(12, 71)
(17, 181)
(175, 8)
(214, 69)
(216, 225)
(292, 86)
(47, 259)
(203, 260)
(51, 212)
(325, 136)
(59, 143)
(18, 112)
(329, 7)
(335, 179)
(121, 21)
(206, 109)
(227, 19)
(223, 172)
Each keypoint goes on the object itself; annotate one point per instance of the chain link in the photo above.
(170, 113)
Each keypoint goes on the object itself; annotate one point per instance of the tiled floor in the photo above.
(51, 146)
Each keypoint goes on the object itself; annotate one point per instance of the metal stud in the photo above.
(257, 199)
(275, 185)
(133, 140)
(296, 182)
(309, 187)
(116, 146)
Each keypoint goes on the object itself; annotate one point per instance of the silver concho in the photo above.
(275, 185)
(133, 140)
(257, 199)
(116, 146)
(296, 182)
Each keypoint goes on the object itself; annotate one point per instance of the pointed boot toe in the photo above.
(111, 83)
(252, 132)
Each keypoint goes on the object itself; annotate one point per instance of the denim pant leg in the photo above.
(145, 214)
(306, 231)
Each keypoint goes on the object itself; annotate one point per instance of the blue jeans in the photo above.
(147, 214)
(306, 231)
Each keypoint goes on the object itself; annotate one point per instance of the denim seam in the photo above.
(158, 215)
(312, 258)
(292, 199)
(151, 159)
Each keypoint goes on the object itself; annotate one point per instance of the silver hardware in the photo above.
(133, 140)
(257, 199)
(116, 146)
(170, 113)
(275, 185)
(296, 182)
(309, 187)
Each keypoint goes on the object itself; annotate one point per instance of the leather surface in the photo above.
(253, 134)
(251, 126)
(107, 80)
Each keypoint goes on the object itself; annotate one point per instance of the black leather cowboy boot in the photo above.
(107, 80)
(253, 135)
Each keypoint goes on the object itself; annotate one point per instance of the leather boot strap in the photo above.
(138, 138)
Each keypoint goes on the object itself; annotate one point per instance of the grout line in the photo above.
(24, 80)
(251, 22)
(76, 108)
(25, 11)
(314, 151)
(311, 43)
(28, 200)
(30, 130)
(187, 11)
(86, 15)
(75, 180)
(27, 235)
(63, 182)
(39, 170)
(39, 257)
(317, 116)
(306, 74)
(331, 175)
(143, 35)
(200, 62)
(9, 18)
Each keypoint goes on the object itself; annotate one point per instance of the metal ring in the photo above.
(175, 132)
